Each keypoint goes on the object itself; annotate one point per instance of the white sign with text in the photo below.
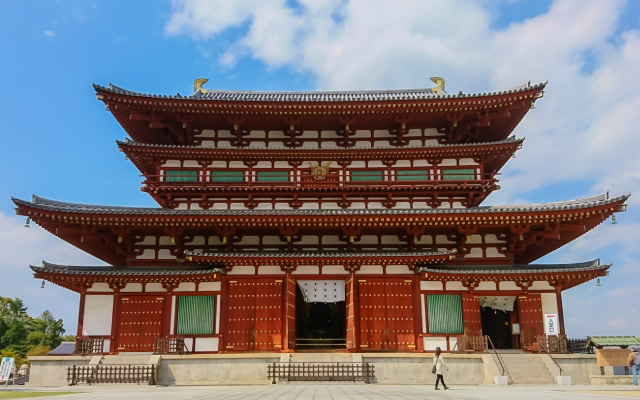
(551, 327)
(6, 368)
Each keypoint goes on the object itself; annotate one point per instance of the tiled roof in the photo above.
(120, 271)
(64, 348)
(509, 140)
(620, 341)
(59, 206)
(518, 268)
(317, 254)
(318, 96)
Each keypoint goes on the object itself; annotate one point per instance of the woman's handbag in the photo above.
(433, 370)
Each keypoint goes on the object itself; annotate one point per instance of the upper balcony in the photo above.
(318, 187)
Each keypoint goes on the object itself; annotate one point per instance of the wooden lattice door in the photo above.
(255, 314)
(386, 314)
(139, 322)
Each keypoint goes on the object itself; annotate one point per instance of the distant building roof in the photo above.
(65, 348)
(620, 341)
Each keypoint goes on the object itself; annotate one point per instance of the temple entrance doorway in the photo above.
(321, 316)
(499, 320)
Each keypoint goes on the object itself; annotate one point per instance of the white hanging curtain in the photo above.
(504, 303)
(322, 291)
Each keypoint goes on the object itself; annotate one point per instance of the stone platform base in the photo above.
(251, 368)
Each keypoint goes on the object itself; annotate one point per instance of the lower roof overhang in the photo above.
(559, 276)
(80, 278)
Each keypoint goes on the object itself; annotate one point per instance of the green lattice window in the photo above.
(227, 176)
(412, 175)
(458, 174)
(195, 315)
(175, 175)
(445, 313)
(272, 176)
(360, 176)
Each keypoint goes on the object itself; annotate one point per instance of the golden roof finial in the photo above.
(197, 85)
(439, 84)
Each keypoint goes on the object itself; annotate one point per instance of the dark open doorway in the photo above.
(320, 325)
(497, 325)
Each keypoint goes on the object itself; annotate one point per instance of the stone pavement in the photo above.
(341, 392)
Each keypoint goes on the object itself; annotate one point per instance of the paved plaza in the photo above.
(347, 392)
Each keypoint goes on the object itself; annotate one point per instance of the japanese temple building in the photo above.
(319, 220)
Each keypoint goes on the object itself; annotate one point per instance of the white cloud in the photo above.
(21, 247)
(587, 116)
(49, 33)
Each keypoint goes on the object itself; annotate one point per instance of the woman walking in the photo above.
(438, 364)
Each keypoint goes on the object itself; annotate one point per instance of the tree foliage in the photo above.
(22, 335)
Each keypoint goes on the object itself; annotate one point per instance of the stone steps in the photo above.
(527, 369)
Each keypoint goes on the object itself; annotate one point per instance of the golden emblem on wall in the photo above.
(320, 172)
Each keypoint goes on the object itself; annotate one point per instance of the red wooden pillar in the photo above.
(352, 326)
(289, 317)
(560, 310)
(115, 321)
(417, 314)
(83, 296)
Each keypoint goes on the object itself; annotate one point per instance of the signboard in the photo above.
(6, 368)
(551, 327)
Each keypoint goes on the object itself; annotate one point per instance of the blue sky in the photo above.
(581, 138)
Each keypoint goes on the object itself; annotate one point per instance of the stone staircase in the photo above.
(127, 359)
(527, 369)
(324, 357)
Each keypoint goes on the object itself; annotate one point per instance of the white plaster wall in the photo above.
(370, 269)
(270, 270)
(423, 313)
(154, 287)
(494, 253)
(209, 286)
(306, 270)
(148, 241)
(132, 287)
(100, 287)
(198, 240)
(540, 285)
(486, 285)
(147, 254)
(171, 163)
(186, 287)
(391, 239)
(431, 285)
(475, 252)
(98, 311)
(398, 269)
(173, 316)
(431, 342)
(206, 344)
(218, 297)
(442, 239)
(492, 238)
(509, 285)
(242, 270)
(165, 254)
(454, 285)
(549, 303)
(334, 270)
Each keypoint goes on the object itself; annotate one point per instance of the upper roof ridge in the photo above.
(319, 96)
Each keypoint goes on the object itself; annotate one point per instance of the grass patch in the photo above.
(25, 395)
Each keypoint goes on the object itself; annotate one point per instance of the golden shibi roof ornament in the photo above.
(439, 84)
(197, 85)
